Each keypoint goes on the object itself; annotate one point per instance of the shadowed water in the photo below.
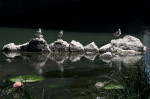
(66, 75)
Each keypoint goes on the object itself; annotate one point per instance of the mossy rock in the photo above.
(26, 78)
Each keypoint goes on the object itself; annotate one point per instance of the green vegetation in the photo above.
(26, 78)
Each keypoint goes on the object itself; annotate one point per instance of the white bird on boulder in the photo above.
(60, 34)
(39, 33)
(117, 33)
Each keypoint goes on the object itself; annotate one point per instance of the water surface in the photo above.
(66, 74)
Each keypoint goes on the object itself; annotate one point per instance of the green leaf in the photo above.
(26, 78)
(53, 86)
(113, 86)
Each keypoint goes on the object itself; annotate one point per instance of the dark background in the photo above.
(76, 15)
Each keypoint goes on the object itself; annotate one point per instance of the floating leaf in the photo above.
(53, 86)
(113, 86)
(26, 78)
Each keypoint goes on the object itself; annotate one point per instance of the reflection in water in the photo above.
(38, 60)
(12, 54)
(127, 61)
(59, 57)
(74, 57)
(91, 56)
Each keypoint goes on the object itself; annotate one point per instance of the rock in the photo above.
(99, 85)
(129, 43)
(105, 48)
(36, 45)
(76, 46)
(59, 46)
(124, 46)
(11, 47)
(91, 48)
(107, 55)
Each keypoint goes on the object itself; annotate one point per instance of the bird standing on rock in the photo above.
(60, 34)
(39, 33)
(117, 33)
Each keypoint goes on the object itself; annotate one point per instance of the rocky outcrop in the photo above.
(107, 55)
(128, 43)
(124, 46)
(59, 46)
(75, 46)
(11, 47)
(91, 48)
(105, 48)
(34, 45)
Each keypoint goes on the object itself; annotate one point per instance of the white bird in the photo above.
(60, 34)
(39, 32)
(117, 33)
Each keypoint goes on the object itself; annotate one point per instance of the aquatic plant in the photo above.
(26, 78)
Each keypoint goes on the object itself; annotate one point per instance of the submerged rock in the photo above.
(76, 46)
(91, 48)
(59, 46)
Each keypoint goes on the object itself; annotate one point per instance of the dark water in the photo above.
(66, 75)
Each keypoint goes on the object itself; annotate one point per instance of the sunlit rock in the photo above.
(124, 46)
(99, 85)
(129, 43)
(90, 56)
(105, 48)
(11, 47)
(91, 48)
(59, 57)
(59, 46)
(107, 55)
(75, 46)
(36, 45)
(74, 57)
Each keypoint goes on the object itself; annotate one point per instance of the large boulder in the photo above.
(91, 48)
(124, 46)
(36, 45)
(105, 48)
(129, 43)
(76, 46)
(59, 46)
